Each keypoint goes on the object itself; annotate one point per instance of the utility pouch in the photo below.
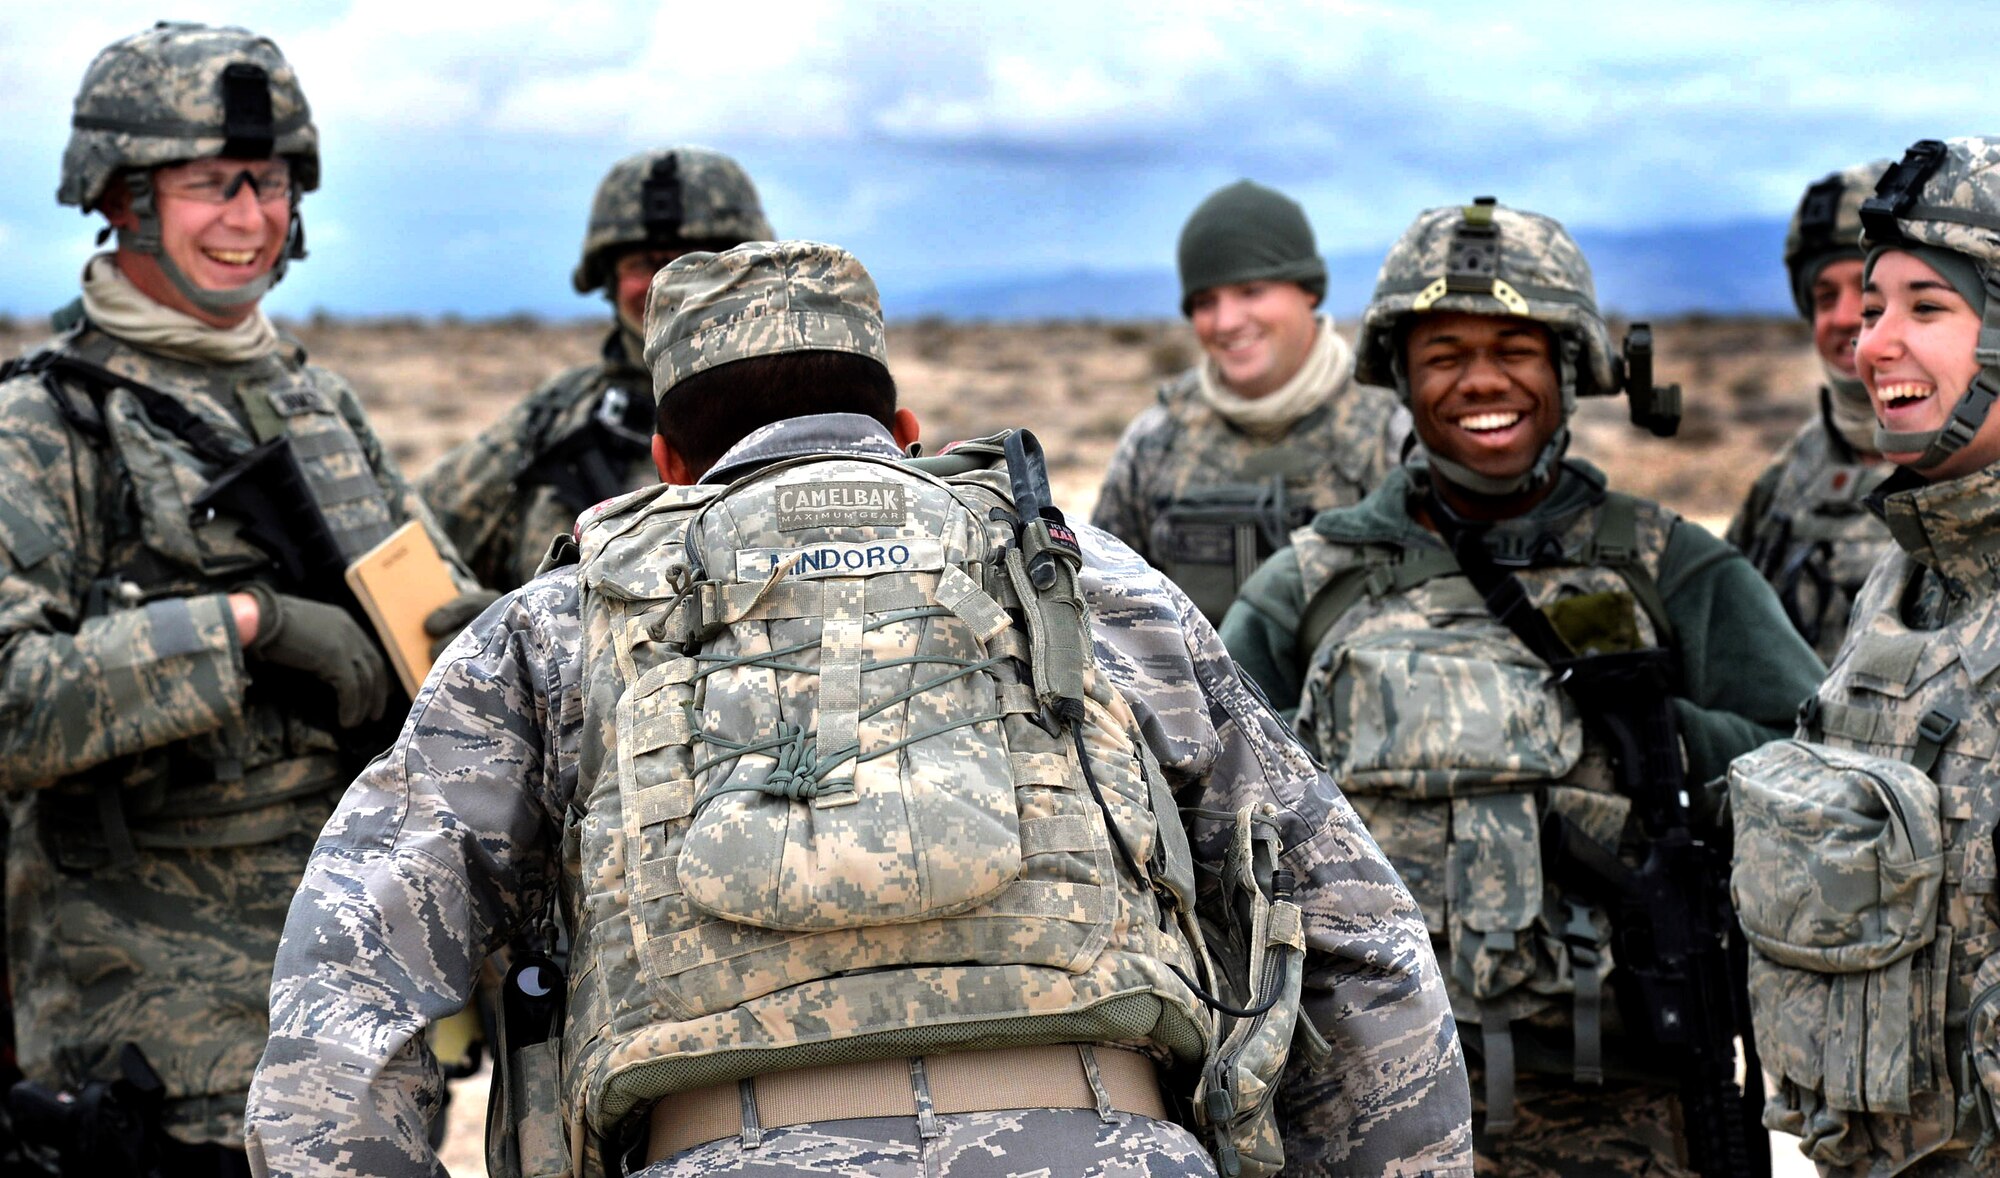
(1979, 1069)
(525, 1133)
(1239, 1083)
(1442, 713)
(1839, 864)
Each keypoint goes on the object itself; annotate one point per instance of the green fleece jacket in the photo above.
(1744, 669)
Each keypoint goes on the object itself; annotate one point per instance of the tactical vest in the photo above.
(159, 451)
(825, 813)
(1451, 740)
(1226, 513)
(586, 438)
(1865, 883)
(1817, 542)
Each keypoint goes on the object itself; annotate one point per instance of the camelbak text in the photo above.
(858, 559)
(832, 505)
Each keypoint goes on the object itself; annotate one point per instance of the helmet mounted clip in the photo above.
(1897, 191)
(1819, 214)
(1472, 263)
(660, 204)
(247, 127)
(1655, 408)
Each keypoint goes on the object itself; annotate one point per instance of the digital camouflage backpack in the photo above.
(857, 790)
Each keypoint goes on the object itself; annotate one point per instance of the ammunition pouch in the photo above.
(1840, 863)
(1261, 953)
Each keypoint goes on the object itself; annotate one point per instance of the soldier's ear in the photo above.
(905, 429)
(116, 204)
(672, 467)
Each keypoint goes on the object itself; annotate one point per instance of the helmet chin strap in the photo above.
(1531, 479)
(1970, 413)
(144, 238)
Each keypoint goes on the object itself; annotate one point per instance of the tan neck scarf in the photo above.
(1325, 372)
(1853, 412)
(121, 309)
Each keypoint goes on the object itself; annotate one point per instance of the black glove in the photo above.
(447, 620)
(325, 642)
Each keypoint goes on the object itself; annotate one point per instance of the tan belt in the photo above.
(1056, 1076)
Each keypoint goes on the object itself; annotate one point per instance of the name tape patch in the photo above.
(863, 558)
(831, 505)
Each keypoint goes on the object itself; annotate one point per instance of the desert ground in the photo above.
(431, 384)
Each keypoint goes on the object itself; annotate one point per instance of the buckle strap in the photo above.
(1496, 1035)
(1052, 1076)
(1936, 727)
(1587, 1013)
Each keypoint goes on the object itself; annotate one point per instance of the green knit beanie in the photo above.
(1247, 233)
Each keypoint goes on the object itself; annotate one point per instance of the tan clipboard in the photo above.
(399, 582)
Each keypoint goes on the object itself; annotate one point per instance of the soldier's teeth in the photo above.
(1481, 422)
(1891, 394)
(233, 257)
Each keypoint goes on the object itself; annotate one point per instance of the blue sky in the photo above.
(977, 142)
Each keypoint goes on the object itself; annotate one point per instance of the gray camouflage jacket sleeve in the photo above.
(1393, 1097)
(441, 848)
(77, 691)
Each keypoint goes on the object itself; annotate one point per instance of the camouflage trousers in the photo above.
(1564, 1130)
(1017, 1143)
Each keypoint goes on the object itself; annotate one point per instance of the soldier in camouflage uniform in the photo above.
(1443, 726)
(1269, 428)
(553, 724)
(1865, 872)
(1804, 524)
(585, 435)
(176, 721)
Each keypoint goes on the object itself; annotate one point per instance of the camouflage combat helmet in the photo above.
(669, 197)
(1486, 259)
(1826, 227)
(1945, 195)
(183, 91)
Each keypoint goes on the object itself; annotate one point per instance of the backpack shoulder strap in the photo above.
(1372, 570)
(96, 381)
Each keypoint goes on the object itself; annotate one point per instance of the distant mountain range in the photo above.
(1733, 268)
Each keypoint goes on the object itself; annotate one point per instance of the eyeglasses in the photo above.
(644, 263)
(217, 184)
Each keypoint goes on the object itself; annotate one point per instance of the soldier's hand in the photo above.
(447, 620)
(325, 642)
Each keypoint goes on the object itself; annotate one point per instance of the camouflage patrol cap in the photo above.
(667, 197)
(183, 91)
(1826, 227)
(1487, 259)
(759, 299)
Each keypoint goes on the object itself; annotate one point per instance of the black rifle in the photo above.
(1680, 965)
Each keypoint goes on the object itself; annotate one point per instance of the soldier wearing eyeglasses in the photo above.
(183, 692)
